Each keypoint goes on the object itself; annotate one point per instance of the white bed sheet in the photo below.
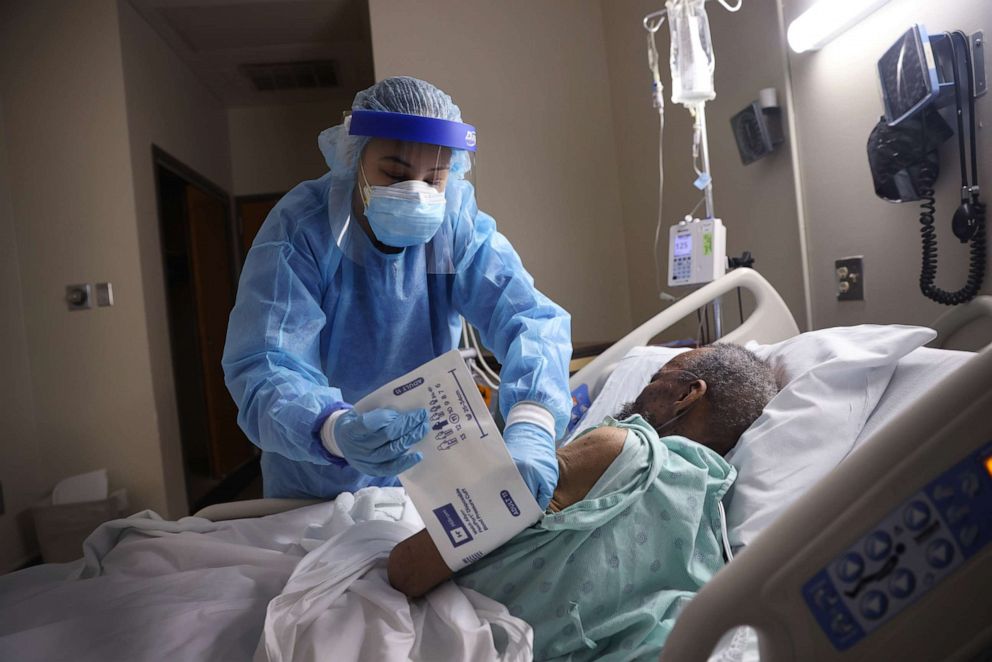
(150, 589)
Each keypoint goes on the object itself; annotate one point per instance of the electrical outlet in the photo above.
(850, 277)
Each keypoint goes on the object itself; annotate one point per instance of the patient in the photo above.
(633, 528)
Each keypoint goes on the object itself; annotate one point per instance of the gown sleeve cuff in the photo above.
(530, 412)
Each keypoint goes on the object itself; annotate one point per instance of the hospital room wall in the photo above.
(167, 106)
(837, 104)
(532, 77)
(20, 460)
(72, 210)
(274, 148)
(757, 203)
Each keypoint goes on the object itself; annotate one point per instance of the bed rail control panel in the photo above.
(906, 554)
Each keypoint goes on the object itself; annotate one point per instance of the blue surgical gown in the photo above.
(313, 328)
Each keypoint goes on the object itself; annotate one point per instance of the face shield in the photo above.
(411, 179)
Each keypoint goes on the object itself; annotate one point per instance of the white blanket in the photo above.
(302, 585)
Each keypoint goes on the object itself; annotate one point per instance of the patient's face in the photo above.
(658, 402)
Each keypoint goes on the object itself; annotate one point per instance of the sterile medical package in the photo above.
(467, 489)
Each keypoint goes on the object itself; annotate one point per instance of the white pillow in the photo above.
(631, 374)
(834, 379)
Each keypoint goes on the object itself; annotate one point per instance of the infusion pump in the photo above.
(697, 251)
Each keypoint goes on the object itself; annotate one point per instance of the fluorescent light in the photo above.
(825, 20)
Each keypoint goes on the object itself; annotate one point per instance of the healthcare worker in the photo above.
(360, 276)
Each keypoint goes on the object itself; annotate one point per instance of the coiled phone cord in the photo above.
(976, 265)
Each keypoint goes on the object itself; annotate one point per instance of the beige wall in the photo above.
(532, 77)
(73, 214)
(273, 148)
(169, 107)
(20, 461)
(837, 104)
(757, 202)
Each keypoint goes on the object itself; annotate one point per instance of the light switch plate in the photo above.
(849, 274)
(104, 294)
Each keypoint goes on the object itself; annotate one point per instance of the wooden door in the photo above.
(252, 212)
(213, 283)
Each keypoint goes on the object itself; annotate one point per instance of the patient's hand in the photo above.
(416, 566)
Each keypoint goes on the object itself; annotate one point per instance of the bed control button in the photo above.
(878, 545)
(940, 553)
(957, 513)
(968, 535)
(917, 515)
(825, 597)
(841, 624)
(874, 605)
(902, 583)
(942, 492)
(850, 567)
(970, 484)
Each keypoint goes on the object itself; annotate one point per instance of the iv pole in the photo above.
(699, 111)
(708, 193)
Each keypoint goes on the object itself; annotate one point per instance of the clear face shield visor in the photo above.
(411, 179)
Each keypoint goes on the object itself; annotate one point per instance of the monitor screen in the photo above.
(683, 245)
(907, 82)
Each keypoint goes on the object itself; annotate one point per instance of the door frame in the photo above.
(237, 479)
(161, 158)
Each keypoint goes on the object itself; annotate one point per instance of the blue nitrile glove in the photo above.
(376, 442)
(533, 450)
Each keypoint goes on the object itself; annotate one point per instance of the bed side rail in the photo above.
(959, 317)
(220, 512)
(770, 322)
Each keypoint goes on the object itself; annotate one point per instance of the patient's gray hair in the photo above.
(738, 386)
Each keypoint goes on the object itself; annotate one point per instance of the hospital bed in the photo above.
(930, 599)
(779, 585)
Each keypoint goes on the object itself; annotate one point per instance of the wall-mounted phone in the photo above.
(697, 251)
(923, 78)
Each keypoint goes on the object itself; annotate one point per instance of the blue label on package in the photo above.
(409, 386)
(511, 505)
(452, 525)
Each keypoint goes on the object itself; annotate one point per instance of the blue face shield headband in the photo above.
(413, 128)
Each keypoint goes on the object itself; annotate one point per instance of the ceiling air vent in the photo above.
(280, 76)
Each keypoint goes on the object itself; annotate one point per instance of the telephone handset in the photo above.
(903, 146)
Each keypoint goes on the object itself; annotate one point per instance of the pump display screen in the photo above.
(683, 245)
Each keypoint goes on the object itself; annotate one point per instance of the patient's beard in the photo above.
(630, 408)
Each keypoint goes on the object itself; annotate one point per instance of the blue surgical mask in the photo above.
(403, 214)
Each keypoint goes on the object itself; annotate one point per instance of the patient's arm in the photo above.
(416, 566)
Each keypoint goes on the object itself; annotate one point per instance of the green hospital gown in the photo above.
(606, 577)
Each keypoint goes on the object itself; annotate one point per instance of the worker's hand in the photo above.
(376, 442)
(533, 450)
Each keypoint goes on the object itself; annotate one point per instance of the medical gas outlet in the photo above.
(697, 251)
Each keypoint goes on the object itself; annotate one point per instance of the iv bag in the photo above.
(692, 52)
